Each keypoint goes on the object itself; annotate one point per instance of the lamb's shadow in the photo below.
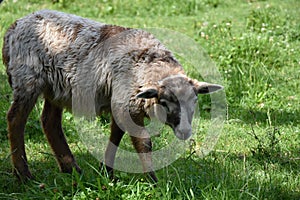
(229, 171)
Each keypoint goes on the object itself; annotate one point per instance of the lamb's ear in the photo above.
(204, 87)
(148, 93)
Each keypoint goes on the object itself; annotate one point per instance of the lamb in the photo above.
(90, 68)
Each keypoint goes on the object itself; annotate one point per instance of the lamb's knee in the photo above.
(142, 145)
(15, 116)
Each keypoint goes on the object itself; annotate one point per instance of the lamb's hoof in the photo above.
(152, 177)
(70, 167)
(24, 175)
(107, 171)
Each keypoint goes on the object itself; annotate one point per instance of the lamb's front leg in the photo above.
(114, 141)
(143, 147)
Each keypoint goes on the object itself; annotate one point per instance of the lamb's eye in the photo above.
(165, 105)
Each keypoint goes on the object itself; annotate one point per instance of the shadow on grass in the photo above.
(216, 176)
(238, 177)
(278, 117)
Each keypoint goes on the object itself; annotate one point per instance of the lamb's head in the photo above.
(176, 101)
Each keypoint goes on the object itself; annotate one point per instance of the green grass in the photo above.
(256, 46)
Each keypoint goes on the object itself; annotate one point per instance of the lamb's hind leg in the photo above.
(16, 121)
(51, 121)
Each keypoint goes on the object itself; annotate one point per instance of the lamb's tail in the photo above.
(5, 50)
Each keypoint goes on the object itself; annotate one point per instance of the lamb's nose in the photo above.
(183, 134)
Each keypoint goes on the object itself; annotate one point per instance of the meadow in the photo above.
(255, 45)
